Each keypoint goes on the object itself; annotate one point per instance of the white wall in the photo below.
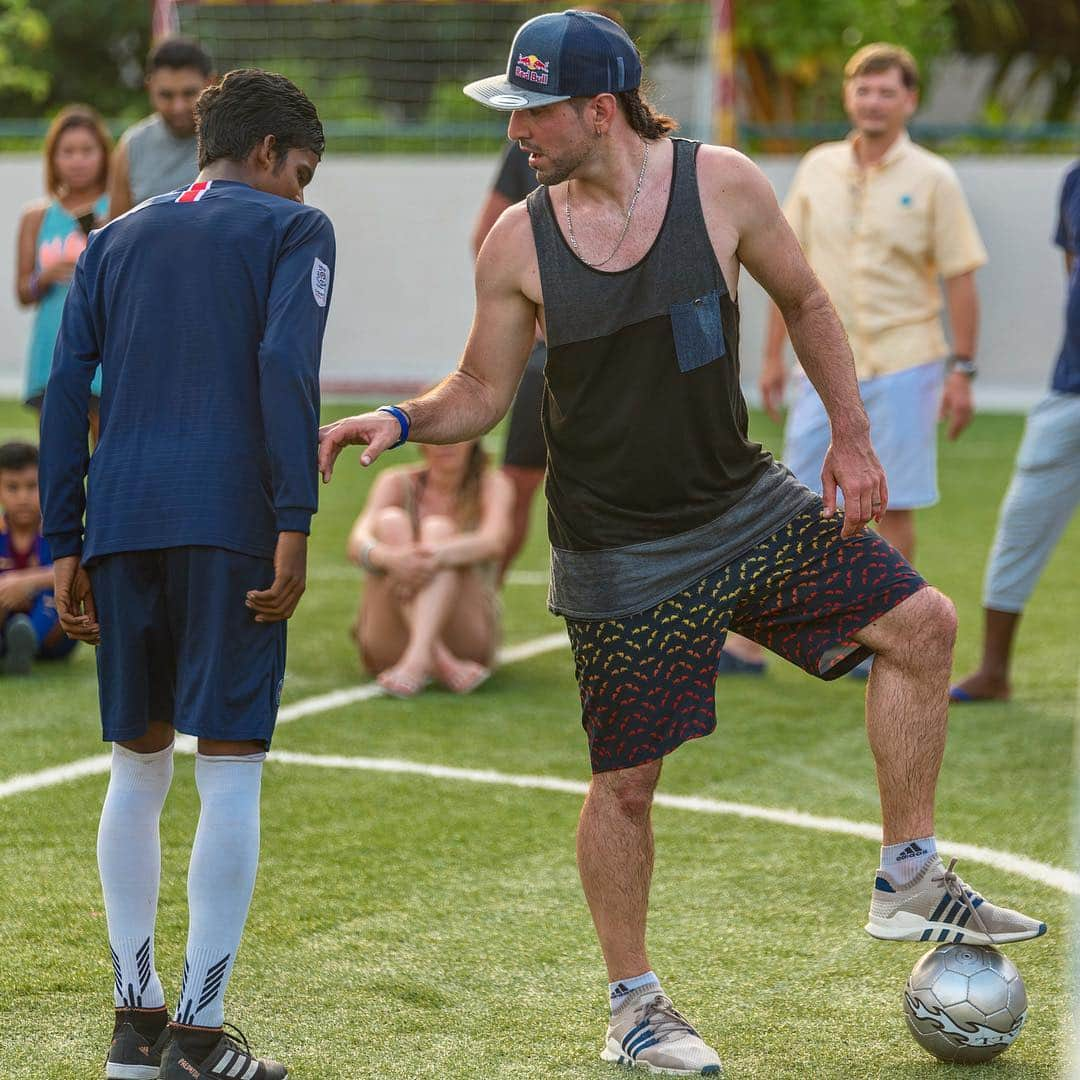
(403, 294)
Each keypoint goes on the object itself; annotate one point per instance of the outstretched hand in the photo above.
(378, 431)
(75, 600)
(852, 466)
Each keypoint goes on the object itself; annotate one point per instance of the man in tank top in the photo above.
(158, 153)
(668, 526)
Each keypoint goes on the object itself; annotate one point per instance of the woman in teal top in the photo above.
(53, 232)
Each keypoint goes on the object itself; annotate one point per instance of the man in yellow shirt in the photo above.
(881, 220)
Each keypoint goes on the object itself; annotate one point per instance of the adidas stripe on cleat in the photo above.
(939, 907)
(135, 1053)
(226, 1060)
(646, 1032)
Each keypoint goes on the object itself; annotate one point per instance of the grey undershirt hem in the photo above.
(616, 582)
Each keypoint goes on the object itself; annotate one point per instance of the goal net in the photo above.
(410, 158)
(387, 75)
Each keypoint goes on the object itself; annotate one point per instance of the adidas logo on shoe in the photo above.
(188, 1055)
(135, 1052)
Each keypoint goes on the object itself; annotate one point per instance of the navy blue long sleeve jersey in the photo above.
(206, 310)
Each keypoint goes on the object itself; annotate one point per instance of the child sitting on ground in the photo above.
(29, 626)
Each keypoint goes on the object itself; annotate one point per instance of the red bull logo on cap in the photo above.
(532, 69)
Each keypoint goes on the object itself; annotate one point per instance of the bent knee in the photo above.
(629, 791)
(392, 526)
(938, 620)
(634, 801)
(923, 627)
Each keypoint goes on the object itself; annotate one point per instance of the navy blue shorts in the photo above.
(648, 681)
(179, 645)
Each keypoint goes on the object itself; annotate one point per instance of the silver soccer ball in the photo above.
(965, 1003)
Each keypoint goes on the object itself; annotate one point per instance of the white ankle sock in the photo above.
(619, 992)
(221, 878)
(129, 861)
(904, 862)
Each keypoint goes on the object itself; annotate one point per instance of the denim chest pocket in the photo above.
(698, 331)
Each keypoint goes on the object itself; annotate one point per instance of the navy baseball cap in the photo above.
(559, 56)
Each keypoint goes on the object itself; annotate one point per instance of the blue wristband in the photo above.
(402, 417)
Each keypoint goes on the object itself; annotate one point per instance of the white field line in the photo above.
(335, 699)
(59, 774)
(1064, 880)
(1053, 876)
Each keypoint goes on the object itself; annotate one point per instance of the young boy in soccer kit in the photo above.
(29, 626)
(206, 309)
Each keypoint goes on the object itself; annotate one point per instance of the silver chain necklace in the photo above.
(626, 224)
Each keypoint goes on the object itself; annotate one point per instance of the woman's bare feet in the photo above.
(405, 679)
(459, 676)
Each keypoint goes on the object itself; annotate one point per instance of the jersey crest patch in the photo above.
(320, 282)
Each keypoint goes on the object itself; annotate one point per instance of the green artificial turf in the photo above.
(407, 926)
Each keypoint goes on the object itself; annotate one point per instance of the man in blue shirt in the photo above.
(1045, 488)
(206, 309)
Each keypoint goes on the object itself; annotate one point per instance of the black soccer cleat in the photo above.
(139, 1036)
(185, 1058)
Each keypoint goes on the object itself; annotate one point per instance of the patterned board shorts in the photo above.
(648, 681)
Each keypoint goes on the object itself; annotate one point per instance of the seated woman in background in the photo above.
(52, 235)
(431, 538)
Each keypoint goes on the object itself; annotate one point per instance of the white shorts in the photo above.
(903, 409)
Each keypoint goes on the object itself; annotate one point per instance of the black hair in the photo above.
(179, 52)
(16, 456)
(235, 115)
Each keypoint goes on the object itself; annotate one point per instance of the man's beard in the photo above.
(562, 168)
(180, 132)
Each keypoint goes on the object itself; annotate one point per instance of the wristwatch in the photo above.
(964, 364)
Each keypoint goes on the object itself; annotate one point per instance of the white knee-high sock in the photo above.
(221, 879)
(129, 861)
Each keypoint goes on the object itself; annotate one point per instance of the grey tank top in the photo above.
(158, 161)
(652, 481)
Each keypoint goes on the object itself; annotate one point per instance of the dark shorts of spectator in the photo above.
(525, 446)
(648, 681)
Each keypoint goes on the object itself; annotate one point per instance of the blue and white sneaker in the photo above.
(646, 1032)
(938, 906)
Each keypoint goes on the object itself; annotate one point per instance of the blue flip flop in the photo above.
(962, 697)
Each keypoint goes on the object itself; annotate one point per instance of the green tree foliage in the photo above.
(794, 52)
(73, 50)
(24, 35)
